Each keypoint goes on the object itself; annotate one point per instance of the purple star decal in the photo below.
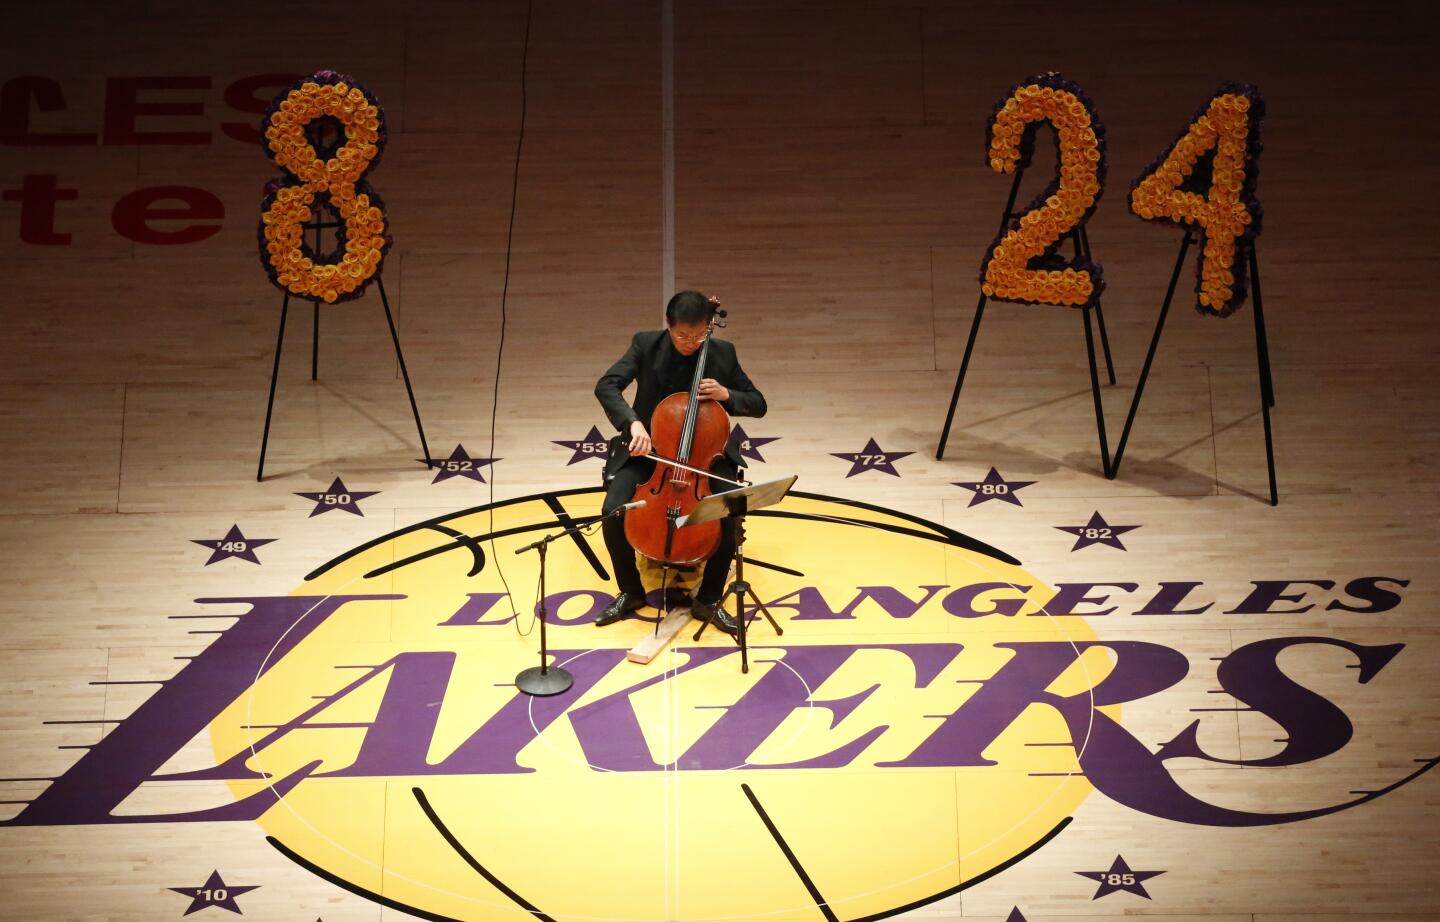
(593, 445)
(995, 487)
(214, 892)
(461, 464)
(1120, 877)
(871, 458)
(234, 544)
(337, 497)
(750, 445)
(1097, 531)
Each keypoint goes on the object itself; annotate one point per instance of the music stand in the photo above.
(737, 504)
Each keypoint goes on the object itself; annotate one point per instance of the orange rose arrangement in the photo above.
(325, 179)
(1023, 263)
(1205, 180)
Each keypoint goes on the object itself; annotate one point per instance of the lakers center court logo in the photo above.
(932, 714)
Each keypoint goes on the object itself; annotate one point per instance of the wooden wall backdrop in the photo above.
(830, 187)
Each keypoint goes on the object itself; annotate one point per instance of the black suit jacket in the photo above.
(649, 361)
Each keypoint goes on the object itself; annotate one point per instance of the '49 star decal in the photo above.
(234, 544)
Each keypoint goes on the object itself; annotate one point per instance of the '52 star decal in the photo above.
(461, 464)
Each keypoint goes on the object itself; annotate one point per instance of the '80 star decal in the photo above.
(995, 487)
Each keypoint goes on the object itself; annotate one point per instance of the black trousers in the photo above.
(622, 556)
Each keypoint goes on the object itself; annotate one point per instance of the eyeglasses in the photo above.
(688, 340)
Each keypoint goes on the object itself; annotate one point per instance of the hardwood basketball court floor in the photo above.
(1008, 688)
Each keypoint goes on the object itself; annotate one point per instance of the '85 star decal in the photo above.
(1120, 877)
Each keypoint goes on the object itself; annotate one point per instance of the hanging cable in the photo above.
(504, 293)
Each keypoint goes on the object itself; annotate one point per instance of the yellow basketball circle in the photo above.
(843, 769)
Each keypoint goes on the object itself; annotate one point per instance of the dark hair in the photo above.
(688, 307)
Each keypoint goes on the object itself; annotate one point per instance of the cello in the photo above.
(688, 435)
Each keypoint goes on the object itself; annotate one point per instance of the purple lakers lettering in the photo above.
(397, 741)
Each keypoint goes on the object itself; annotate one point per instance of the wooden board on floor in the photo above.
(649, 648)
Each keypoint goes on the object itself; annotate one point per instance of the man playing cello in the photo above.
(662, 362)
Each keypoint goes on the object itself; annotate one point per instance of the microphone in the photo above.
(613, 512)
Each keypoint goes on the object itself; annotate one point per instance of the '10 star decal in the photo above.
(871, 458)
(592, 445)
(234, 544)
(461, 464)
(337, 497)
(1120, 877)
(1097, 531)
(214, 892)
(995, 487)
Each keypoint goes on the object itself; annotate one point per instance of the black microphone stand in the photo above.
(544, 680)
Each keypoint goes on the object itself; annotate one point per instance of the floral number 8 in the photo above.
(313, 182)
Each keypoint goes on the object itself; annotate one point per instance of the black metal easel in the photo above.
(316, 225)
(740, 589)
(1081, 241)
(736, 504)
(1262, 352)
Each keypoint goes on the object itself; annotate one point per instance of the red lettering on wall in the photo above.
(243, 96)
(15, 114)
(132, 215)
(37, 198)
(123, 108)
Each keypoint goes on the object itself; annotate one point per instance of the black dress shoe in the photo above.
(716, 615)
(624, 603)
